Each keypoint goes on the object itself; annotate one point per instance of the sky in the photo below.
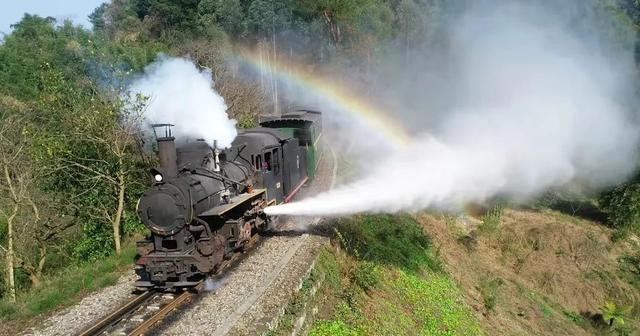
(11, 11)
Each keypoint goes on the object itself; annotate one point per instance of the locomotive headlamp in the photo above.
(157, 177)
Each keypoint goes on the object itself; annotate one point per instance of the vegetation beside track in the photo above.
(64, 289)
(387, 279)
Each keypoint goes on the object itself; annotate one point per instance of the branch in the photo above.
(107, 177)
(57, 231)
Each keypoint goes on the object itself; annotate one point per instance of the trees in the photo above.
(91, 154)
(228, 14)
(14, 183)
(265, 18)
(32, 228)
(81, 138)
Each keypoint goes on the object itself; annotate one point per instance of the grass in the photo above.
(390, 282)
(491, 221)
(394, 240)
(66, 288)
(489, 291)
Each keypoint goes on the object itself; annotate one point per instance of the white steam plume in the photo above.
(181, 94)
(537, 106)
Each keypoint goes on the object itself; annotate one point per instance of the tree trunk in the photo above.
(119, 210)
(36, 275)
(10, 254)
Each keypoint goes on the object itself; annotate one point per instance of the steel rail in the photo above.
(161, 314)
(117, 315)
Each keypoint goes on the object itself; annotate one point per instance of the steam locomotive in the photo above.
(206, 203)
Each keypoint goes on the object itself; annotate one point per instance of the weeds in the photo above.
(614, 315)
(489, 291)
(574, 317)
(365, 275)
(492, 219)
(332, 328)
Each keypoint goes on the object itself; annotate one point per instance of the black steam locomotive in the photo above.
(206, 203)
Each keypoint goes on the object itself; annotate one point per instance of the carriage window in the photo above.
(276, 162)
(258, 162)
(253, 160)
(267, 160)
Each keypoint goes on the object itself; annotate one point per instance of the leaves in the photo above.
(613, 314)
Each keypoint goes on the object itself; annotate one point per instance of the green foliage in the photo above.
(332, 328)
(389, 239)
(622, 206)
(614, 315)
(410, 297)
(629, 265)
(179, 15)
(228, 14)
(366, 275)
(265, 17)
(574, 317)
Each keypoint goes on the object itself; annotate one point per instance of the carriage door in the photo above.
(272, 172)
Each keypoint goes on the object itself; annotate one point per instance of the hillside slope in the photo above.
(536, 273)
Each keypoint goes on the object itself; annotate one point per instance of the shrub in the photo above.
(614, 315)
(387, 239)
(622, 206)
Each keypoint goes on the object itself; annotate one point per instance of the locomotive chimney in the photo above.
(166, 149)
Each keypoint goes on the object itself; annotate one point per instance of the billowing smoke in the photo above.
(534, 105)
(181, 94)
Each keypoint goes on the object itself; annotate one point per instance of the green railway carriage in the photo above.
(306, 126)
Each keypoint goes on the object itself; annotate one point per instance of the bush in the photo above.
(388, 239)
(622, 206)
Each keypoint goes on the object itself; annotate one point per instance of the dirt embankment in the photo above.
(538, 273)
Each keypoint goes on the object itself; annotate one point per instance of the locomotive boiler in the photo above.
(205, 203)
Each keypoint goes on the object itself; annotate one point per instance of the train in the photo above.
(205, 203)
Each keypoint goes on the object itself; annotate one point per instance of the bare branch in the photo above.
(76, 164)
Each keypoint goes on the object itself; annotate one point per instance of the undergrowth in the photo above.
(390, 281)
(65, 288)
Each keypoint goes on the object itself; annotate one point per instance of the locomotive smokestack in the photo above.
(166, 150)
(167, 156)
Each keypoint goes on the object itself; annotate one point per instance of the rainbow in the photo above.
(343, 98)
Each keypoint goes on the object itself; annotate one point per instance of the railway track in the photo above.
(138, 315)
